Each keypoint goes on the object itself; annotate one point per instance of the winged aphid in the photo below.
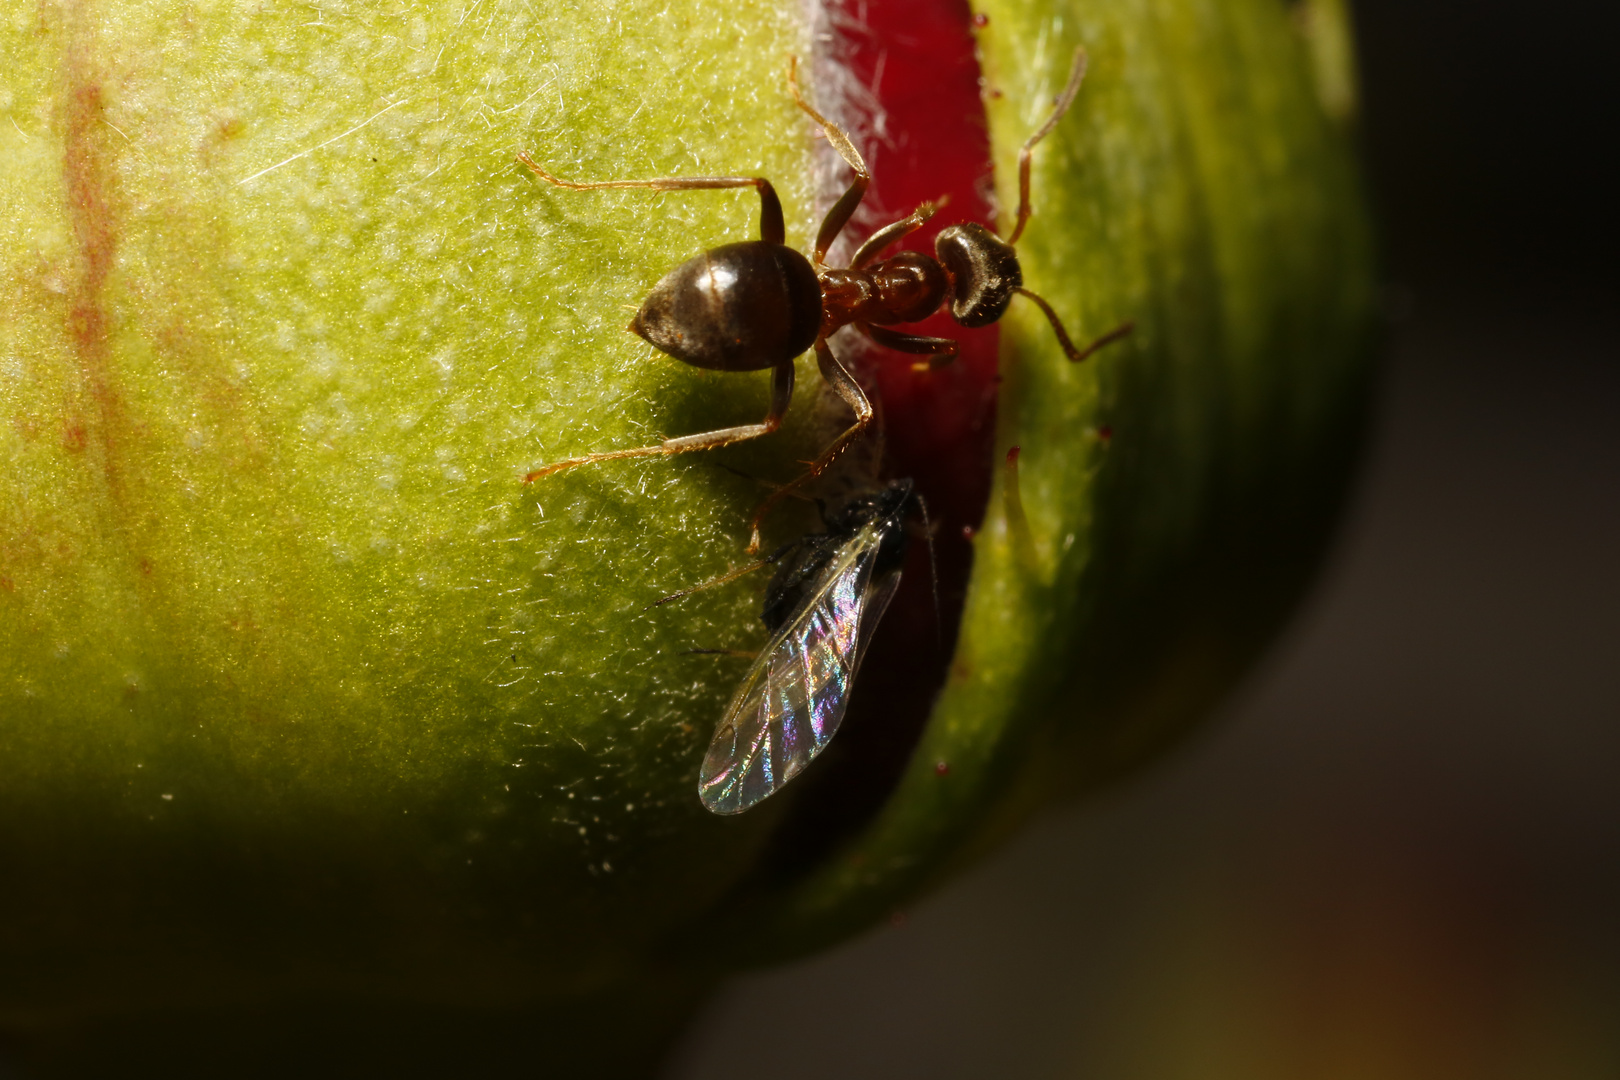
(828, 594)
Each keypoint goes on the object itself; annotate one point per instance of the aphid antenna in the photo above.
(790, 492)
(933, 571)
(728, 576)
(741, 654)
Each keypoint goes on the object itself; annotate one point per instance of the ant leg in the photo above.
(781, 394)
(1060, 105)
(889, 234)
(1076, 355)
(844, 384)
(771, 228)
(844, 208)
(943, 350)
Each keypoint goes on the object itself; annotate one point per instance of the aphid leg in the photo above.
(781, 394)
(844, 208)
(771, 228)
(943, 350)
(844, 384)
(1076, 355)
(889, 234)
(1059, 107)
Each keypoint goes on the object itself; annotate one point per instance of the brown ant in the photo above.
(759, 304)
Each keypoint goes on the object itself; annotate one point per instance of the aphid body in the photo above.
(758, 304)
(828, 594)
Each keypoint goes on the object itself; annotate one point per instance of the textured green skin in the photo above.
(303, 691)
(268, 550)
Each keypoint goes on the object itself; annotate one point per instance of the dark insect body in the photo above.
(828, 594)
(757, 305)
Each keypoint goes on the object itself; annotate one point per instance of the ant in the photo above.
(758, 304)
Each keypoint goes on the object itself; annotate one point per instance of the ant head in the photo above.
(983, 270)
(984, 274)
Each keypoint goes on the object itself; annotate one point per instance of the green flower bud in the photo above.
(306, 696)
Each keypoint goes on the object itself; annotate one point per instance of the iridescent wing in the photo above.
(792, 700)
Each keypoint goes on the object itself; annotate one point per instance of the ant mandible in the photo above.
(759, 304)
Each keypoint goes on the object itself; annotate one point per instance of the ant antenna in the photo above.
(1075, 355)
(1060, 105)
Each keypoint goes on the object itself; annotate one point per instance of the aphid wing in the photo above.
(878, 595)
(793, 698)
(737, 753)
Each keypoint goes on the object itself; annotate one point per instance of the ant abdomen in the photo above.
(737, 307)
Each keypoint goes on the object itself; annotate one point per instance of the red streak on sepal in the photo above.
(90, 185)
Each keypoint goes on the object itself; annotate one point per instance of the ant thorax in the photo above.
(906, 288)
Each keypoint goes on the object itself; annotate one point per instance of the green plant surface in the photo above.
(303, 692)
(289, 325)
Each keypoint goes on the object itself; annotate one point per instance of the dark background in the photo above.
(1397, 852)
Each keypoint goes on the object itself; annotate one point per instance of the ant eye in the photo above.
(984, 272)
